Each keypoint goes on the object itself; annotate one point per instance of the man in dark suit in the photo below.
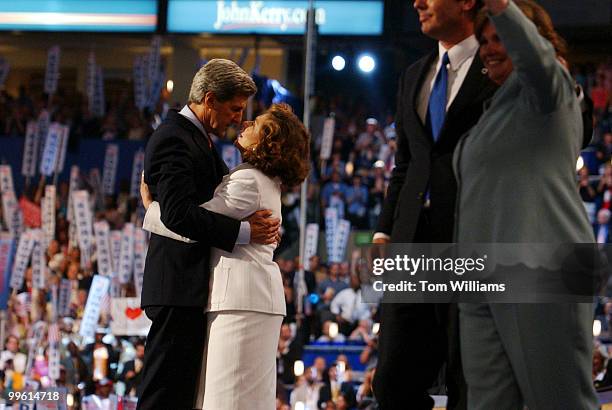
(182, 170)
(331, 384)
(132, 369)
(440, 97)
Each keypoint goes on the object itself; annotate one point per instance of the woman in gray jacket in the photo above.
(516, 175)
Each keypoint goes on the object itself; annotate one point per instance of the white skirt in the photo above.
(239, 362)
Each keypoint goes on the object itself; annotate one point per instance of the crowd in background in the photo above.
(352, 180)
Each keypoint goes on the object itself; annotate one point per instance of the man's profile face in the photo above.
(223, 114)
(438, 17)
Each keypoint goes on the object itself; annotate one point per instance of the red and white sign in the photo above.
(127, 318)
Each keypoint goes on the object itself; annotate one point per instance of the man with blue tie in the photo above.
(440, 97)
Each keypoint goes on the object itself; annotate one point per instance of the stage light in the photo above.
(313, 298)
(338, 62)
(170, 85)
(299, 406)
(366, 63)
(349, 168)
(596, 328)
(379, 164)
(375, 328)
(579, 163)
(333, 330)
(70, 400)
(298, 368)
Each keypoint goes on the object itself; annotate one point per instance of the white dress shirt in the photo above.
(244, 234)
(350, 306)
(461, 57)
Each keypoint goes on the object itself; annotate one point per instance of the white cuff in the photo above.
(244, 235)
(380, 235)
(152, 223)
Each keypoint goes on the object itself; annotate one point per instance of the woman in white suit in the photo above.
(246, 304)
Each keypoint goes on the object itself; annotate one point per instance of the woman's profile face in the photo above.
(251, 133)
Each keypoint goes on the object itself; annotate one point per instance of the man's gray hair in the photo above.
(222, 77)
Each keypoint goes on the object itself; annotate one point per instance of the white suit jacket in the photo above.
(247, 278)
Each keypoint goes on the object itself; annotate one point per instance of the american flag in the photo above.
(53, 333)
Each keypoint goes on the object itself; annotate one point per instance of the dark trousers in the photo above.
(173, 357)
(416, 340)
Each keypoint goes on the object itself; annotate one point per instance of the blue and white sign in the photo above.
(140, 255)
(98, 290)
(79, 15)
(47, 213)
(6, 261)
(51, 151)
(137, 168)
(52, 72)
(335, 17)
(4, 70)
(99, 102)
(102, 236)
(311, 244)
(63, 304)
(24, 251)
(30, 150)
(140, 91)
(111, 161)
(39, 264)
(126, 257)
(84, 221)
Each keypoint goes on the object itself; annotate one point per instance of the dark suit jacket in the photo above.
(346, 389)
(182, 172)
(130, 366)
(421, 163)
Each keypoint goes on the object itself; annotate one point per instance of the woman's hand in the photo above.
(144, 193)
(495, 7)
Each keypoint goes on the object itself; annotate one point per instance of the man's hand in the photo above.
(278, 238)
(495, 7)
(264, 228)
(144, 193)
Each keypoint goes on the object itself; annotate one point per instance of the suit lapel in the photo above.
(474, 87)
(414, 92)
(199, 139)
(476, 81)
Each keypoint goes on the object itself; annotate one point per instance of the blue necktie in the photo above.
(437, 100)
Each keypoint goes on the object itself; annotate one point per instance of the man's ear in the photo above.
(209, 100)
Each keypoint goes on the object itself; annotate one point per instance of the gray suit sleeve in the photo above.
(534, 59)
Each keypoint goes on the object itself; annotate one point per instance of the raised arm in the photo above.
(533, 57)
(170, 169)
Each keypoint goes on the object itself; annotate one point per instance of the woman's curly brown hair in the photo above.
(538, 16)
(284, 148)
